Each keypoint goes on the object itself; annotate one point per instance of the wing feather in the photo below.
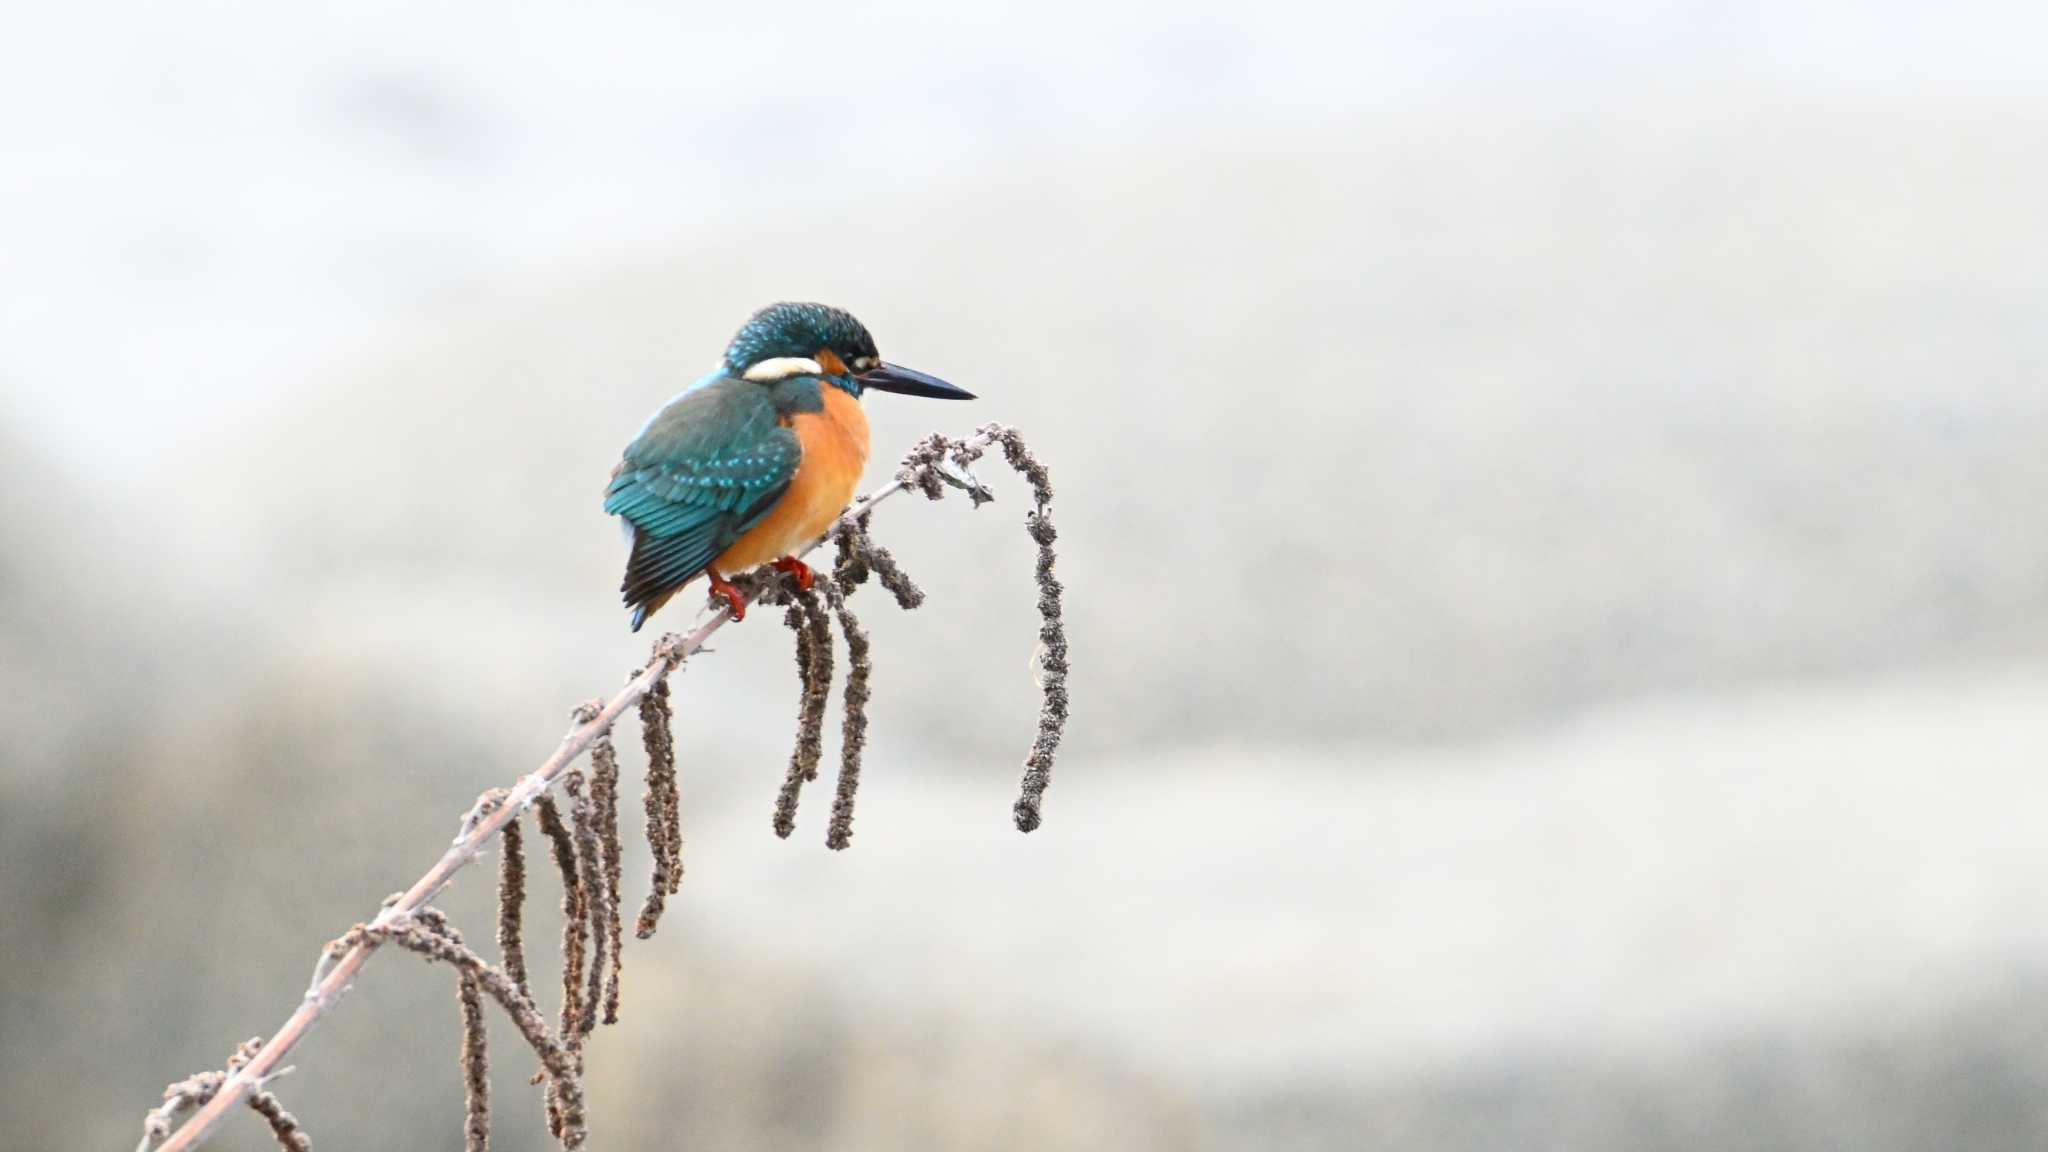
(704, 470)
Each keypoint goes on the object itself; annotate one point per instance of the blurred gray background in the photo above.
(1552, 521)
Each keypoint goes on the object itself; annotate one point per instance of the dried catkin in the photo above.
(853, 734)
(558, 1061)
(549, 817)
(604, 802)
(663, 805)
(813, 628)
(512, 904)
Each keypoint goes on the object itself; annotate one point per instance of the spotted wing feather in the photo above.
(704, 470)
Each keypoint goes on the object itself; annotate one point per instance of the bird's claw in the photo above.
(734, 599)
(797, 568)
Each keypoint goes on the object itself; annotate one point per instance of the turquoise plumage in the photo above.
(704, 470)
(773, 439)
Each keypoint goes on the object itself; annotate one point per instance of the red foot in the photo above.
(733, 599)
(804, 576)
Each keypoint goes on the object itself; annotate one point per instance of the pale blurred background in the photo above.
(1552, 502)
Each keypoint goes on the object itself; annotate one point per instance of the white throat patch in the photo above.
(783, 367)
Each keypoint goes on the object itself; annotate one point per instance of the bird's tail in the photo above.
(648, 607)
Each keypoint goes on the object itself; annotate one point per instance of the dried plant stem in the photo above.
(583, 818)
(334, 975)
(474, 1055)
(283, 1125)
(201, 1087)
(596, 817)
(604, 790)
(664, 807)
(476, 1065)
(1052, 631)
(418, 933)
(853, 732)
(575, 928)
(930, 467)
(860, 557)
(813, 628)
(179, 1099)
(512, 906)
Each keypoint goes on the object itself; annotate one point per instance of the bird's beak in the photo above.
(894, 378)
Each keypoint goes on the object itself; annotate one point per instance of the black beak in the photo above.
(892, 378)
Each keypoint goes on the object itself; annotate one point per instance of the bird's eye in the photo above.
(863, 363)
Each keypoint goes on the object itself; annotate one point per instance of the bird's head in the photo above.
(786, 340)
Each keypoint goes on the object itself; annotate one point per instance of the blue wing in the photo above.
(703, 471)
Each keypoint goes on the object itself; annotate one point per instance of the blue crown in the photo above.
(798, 330)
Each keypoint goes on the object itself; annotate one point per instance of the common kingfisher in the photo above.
(756, 459)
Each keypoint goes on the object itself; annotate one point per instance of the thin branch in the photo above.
(201, 1087)
(334, 975)
(179, 1098)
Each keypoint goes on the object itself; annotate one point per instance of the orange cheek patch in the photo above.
(830, 362)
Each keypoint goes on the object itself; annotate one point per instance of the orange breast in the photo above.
(835, 449)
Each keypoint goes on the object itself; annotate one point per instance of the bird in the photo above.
(756, 459)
